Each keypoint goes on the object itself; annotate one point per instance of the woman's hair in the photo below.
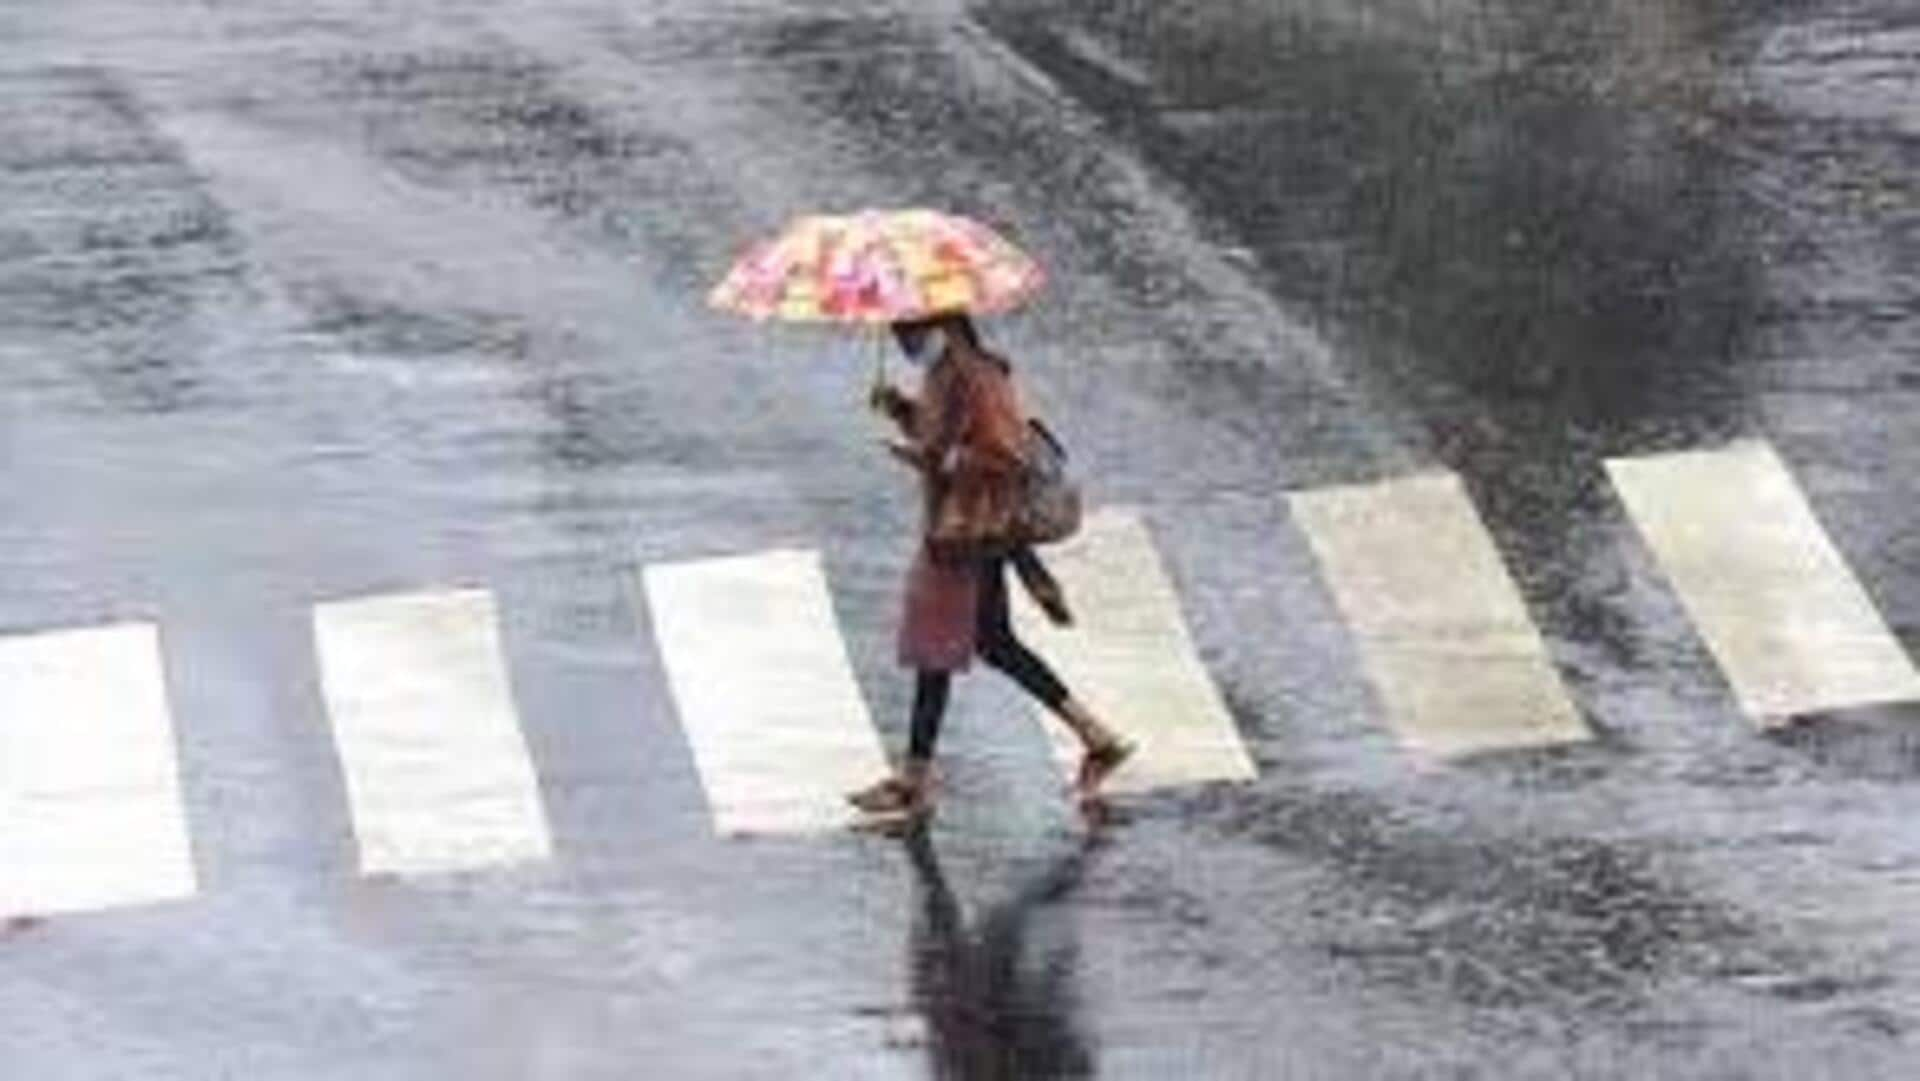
(908, 334)
(958, 325)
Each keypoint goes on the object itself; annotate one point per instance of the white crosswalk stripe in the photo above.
(1129, 657)
(438, 774)
(1785, 618)
(436, 767)
(1445, 635)
(764, 688)
(90, 806)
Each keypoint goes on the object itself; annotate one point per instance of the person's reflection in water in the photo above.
(999, 1001)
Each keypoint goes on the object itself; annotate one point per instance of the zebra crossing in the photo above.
(765, 689)
(438, 776)
(437, 772)
(1443, 630)
(90, 808)
(1130, 656)
(1788, 623)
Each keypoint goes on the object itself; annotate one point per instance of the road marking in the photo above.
(764, 688)
(1790, 626)
(436, 768)
(1446, 637)
(1130, 659)
(91, 814)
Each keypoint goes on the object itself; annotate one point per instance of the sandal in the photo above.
(895, 821)
(895, 797)
(886, 794)
(1100, 762)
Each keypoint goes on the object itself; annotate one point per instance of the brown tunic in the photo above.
(967, 426)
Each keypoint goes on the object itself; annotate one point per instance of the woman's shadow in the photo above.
(1000, 999)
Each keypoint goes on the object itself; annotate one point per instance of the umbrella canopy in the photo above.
(878, 267)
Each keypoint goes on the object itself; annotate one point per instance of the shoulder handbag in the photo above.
(1049, 504)
(1035, 502)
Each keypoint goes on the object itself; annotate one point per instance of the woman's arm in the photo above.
(904, 410)
(900, 407)
(942, 441)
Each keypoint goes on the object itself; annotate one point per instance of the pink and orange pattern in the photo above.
(878, 267)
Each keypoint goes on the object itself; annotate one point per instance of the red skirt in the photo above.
(942, 600)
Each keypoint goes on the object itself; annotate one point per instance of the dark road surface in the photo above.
(304, 301)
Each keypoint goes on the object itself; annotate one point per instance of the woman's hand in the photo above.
(909, 453)
(887, 398)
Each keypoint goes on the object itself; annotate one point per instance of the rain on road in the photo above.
(304, 303)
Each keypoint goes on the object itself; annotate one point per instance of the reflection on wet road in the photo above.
(997, 993)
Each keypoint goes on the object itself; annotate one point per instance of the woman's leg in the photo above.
(910, 789)
(999, 647)
(930, 690)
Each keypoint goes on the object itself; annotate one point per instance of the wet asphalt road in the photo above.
(305, 301)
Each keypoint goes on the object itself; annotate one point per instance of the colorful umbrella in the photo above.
(877, 267)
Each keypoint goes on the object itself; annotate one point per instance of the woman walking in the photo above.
(965, 435)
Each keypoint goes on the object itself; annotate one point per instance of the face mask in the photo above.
(932, 344)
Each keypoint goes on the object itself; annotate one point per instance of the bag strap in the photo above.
(1040, 427)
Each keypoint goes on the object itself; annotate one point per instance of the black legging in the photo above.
(995, 641)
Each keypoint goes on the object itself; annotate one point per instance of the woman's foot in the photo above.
(1099, 762)
(886, 794)
(899, 800)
